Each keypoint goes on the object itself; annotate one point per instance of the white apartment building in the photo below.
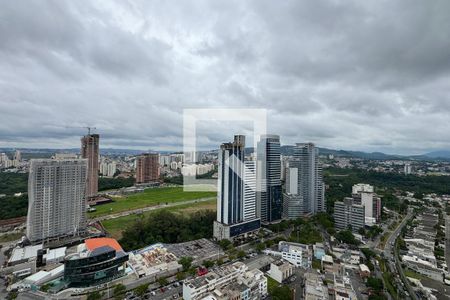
(214, 284)
(300, 255)
(196, 169)
(249, 190)
(364, 194)
(281, 270)
(56, 193)
(362, 187)
(347, 256)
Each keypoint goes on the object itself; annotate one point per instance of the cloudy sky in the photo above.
(357, 75)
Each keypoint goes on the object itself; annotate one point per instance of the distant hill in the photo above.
(444, 154)
(289, 150)
(285, 150)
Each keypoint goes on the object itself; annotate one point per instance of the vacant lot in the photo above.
(149, 197)
(115, 227)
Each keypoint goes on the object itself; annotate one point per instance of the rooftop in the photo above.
(92, 244)
(19, 254)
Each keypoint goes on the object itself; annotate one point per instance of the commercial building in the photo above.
(90, 151)
(307, 196)
(362, 188)
(350, 258)
(300, 255)
(364, 194)
(233, 281)
(347, 215)
(38, 253)
(269, 194)
(147, 168)
(281, 270)
(56, 198)
(230, 196)
(314, 288)
(96, 261)
(293, 207)
(342, 288)
(152, 260)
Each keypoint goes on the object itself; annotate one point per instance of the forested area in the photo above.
(11, 183)
(114, 183)
(340, 181)
(168, 227)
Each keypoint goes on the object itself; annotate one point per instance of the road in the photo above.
(391, 240)
(391, 253)
(447, 240)
(149, 208)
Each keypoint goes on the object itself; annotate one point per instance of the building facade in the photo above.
(364, 194)
(230, 195)
(293, 207)
(103, 261)
(249, 190)
(269, 194)
(147, 168)
(90, 151)
(305, 191)
(233, 281)
(56, 193)
(348, 214)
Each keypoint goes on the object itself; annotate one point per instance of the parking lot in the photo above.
(199, 250)
(171, 291)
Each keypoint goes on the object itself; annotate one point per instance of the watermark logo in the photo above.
(191, 117)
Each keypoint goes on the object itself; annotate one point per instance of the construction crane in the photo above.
(85, 127)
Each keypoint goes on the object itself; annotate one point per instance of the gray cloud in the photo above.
(362, 75)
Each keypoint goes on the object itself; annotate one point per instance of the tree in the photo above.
(162, 281)
(241, 254)
(225, 244)
(46, 287)
(186, 262)
(119, 290)
(11, 295)
(167, 227)
(141, 290)
(260, 247)
(375, 283)
(180, 276)
(94, 296)
(208, 263)
(281, 293)
(347, 237)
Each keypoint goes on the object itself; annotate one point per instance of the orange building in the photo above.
(147, 168)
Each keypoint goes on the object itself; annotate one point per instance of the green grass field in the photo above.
(115, 227)
(149, 197)
(11, 237)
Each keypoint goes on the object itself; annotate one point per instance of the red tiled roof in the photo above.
(92, 244)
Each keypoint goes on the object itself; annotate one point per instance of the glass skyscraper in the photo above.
(269, 195)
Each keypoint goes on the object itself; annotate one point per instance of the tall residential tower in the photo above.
(56, 198)
(147, 168)
(90, 151)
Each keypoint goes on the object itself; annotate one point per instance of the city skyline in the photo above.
(357, 76)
